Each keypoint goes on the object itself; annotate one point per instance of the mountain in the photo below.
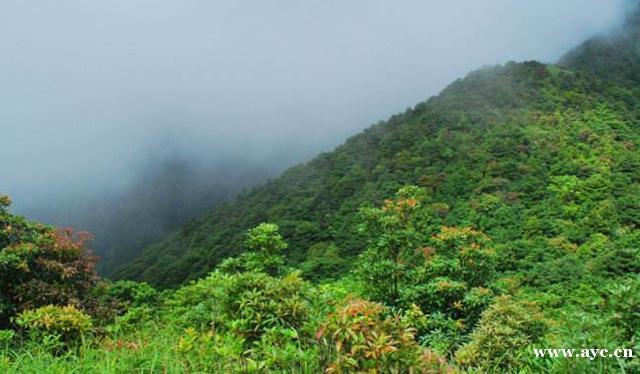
(163, 198)
(542, 158)
(163, 194)
(616, 56)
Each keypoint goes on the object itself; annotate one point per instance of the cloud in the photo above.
(91, 91)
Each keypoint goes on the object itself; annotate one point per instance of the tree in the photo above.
(391, 242)
(445, 273)
(265, 238)
(41, 265)
(265, 245)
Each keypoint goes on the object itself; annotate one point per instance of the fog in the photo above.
(97, 98)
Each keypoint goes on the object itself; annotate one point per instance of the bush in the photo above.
(131, 293)
(67, 323)
(135, 318)
(501, 339)
(265, 246)
(116, 299)
(247, 304)
(6, 337)
(363, 336)
(623, 299)
(40, 265)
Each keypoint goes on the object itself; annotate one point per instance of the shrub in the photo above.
(267, 316)
(131, 293)
(210, 352)
(112, 299)
(501, 339)
(6, 337)
(40, 265)
(623, 299)
(265, 246)
(67, 323)
(451, 278)
(363, 336)
(265, 238)
(135, 318)
(247, 304)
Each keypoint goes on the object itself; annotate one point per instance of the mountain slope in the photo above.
(616, 56)
(542, 158)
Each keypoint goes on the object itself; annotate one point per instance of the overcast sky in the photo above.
(89, 89)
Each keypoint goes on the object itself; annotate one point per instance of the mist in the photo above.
(125, 111)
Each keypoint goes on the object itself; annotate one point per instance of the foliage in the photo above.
(624, 301)
(524, 151)
(248, 304)
(505, 331)
(131, 293)
(66, 323)
(392, 241)
(363, 337)
(264, 245)
(40, 265)
(444, 274)
(517, 227)
(6, 336)
(110, 300)
(321, 259)
(265, 238)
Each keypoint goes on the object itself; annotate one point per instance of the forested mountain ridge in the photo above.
(616, 56)
(525, 152)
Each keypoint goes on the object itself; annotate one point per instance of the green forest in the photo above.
(498, 217)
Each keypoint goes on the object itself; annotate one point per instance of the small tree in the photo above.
(265, 245)
(445, 274)
(41, 265)
(391, 241)
(265, 238)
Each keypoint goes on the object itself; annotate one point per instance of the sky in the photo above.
(91, 92)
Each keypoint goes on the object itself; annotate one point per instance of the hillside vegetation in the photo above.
(500, 149)
(497, 217)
